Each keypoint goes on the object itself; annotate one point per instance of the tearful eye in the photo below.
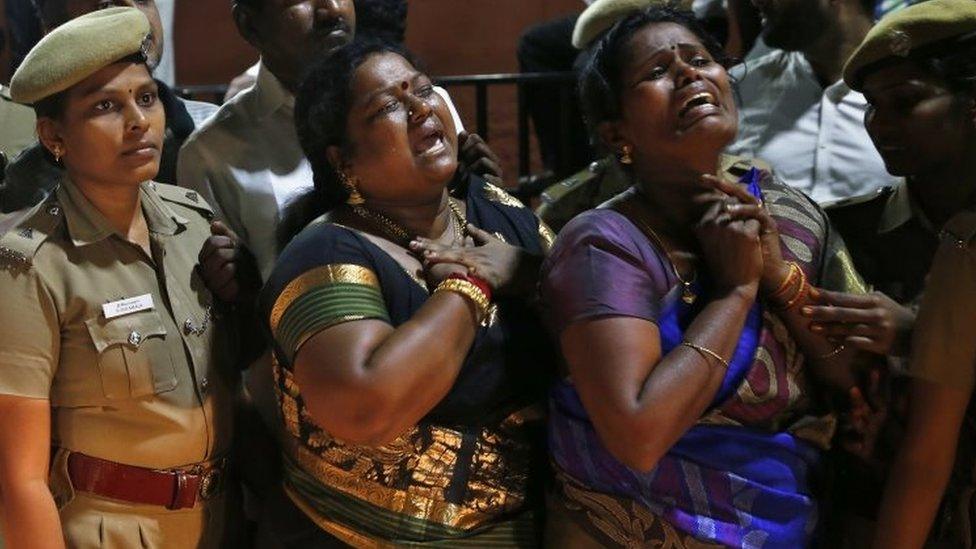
(147, 99)
(700, 61)
(103, 106)
(390, 107)
(425, 91)
(656, 72)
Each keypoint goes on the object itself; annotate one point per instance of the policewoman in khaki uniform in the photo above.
(917, 69)
(115, 415)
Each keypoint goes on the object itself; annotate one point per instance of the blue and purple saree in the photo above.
(741, 476)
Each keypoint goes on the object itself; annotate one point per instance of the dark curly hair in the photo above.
(321, 112)
(599, 80)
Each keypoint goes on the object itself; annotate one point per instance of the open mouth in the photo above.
(432, 143)
(697, 101)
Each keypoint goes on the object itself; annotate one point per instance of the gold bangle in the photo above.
(801, 291)
(469, 291)
(838, 350)
(706, 353)
(795, 271)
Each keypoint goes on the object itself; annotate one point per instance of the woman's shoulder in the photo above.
(498, 211)
(782, 200)
(185, 202)
(480, 189)
(319, 244)
(600, 226)
(26, 233)
(776, 192)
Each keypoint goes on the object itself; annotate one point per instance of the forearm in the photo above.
(30, 518)
(787, 293)
(832, 363)
(923, 465)
(679, 389)
(911, 500)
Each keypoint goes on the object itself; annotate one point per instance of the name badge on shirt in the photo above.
(128, 306)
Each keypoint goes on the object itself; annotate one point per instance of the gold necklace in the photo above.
(399, 234)
(458, 220)
(688, 294)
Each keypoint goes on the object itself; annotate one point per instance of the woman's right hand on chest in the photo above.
(507, 269)
(731, 249)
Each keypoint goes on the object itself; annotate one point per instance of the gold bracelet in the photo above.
(838, 350)
(801, 292)
(706, 353)
(471, 292)
(795, 271)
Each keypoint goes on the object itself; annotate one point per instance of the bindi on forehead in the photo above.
(404, 85)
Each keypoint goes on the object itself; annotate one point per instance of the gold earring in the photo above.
(57, 155)
(355, 199)
(625, 157)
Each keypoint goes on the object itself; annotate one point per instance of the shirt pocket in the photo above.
(133, 357)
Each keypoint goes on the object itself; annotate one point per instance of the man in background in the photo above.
(796, 113)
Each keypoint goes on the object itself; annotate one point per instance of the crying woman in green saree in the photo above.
(410, 365)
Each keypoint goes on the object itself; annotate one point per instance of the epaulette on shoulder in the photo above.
(22, 233)
(184, 197)
(881, 193)
(575, 182)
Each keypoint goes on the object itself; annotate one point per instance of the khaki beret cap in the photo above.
(603, 14)
(903, 32)
(76, 50)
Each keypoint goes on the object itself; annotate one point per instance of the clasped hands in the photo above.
(508, 270)
(870, 322)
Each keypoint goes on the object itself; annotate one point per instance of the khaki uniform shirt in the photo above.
(16, 125)
(944, 340)
(582, 191)
(145, 387)
(890, 239)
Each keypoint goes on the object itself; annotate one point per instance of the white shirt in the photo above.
(247, 163)
(814, 138)
(166, 70)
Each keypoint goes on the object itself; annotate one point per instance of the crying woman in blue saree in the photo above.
(691, 411)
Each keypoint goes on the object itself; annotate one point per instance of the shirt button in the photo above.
(204, 385)
(135, 338)
(188, 326)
